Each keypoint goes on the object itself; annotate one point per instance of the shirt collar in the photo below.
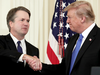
(16, 40)
(87, 31)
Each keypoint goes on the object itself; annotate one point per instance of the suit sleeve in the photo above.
(6, 52)
(49, 69)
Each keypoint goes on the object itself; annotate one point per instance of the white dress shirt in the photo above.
(23, 45)
(86, 33)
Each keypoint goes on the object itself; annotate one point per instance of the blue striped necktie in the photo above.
(75, 52)
(19, 48)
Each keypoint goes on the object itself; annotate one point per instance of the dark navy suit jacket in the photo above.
(88, 56)
(9, 57)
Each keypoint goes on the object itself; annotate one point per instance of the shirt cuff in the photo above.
(20, 58)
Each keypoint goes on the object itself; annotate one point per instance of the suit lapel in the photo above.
(12, 45)
(87, 43)
(10, 42)
(69, 49)
(28, 49)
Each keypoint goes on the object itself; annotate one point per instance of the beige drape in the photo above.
(40, 22)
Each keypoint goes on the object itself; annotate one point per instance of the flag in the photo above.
(59, 33)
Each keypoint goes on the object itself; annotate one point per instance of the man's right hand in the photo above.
(33, 62)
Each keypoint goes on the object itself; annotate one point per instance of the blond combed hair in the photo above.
(83, 8)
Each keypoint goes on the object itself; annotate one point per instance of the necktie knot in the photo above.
(18, 42)
(80, 37)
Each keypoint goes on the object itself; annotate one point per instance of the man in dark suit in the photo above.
(11, 60)
(81, 20)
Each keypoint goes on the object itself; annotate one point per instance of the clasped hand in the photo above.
(33, 62)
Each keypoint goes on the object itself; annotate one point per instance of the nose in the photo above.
(67, 20)
(26, 23)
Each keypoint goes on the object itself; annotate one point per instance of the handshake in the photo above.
(33, 62)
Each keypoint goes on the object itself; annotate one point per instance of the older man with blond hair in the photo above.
(83, 50)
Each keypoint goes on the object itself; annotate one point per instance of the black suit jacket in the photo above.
(88, 56)
(9, 57)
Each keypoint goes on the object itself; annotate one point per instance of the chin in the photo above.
(24, 34)
(71, 29)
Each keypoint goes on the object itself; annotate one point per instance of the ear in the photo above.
(83, 19)
(11, 23)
